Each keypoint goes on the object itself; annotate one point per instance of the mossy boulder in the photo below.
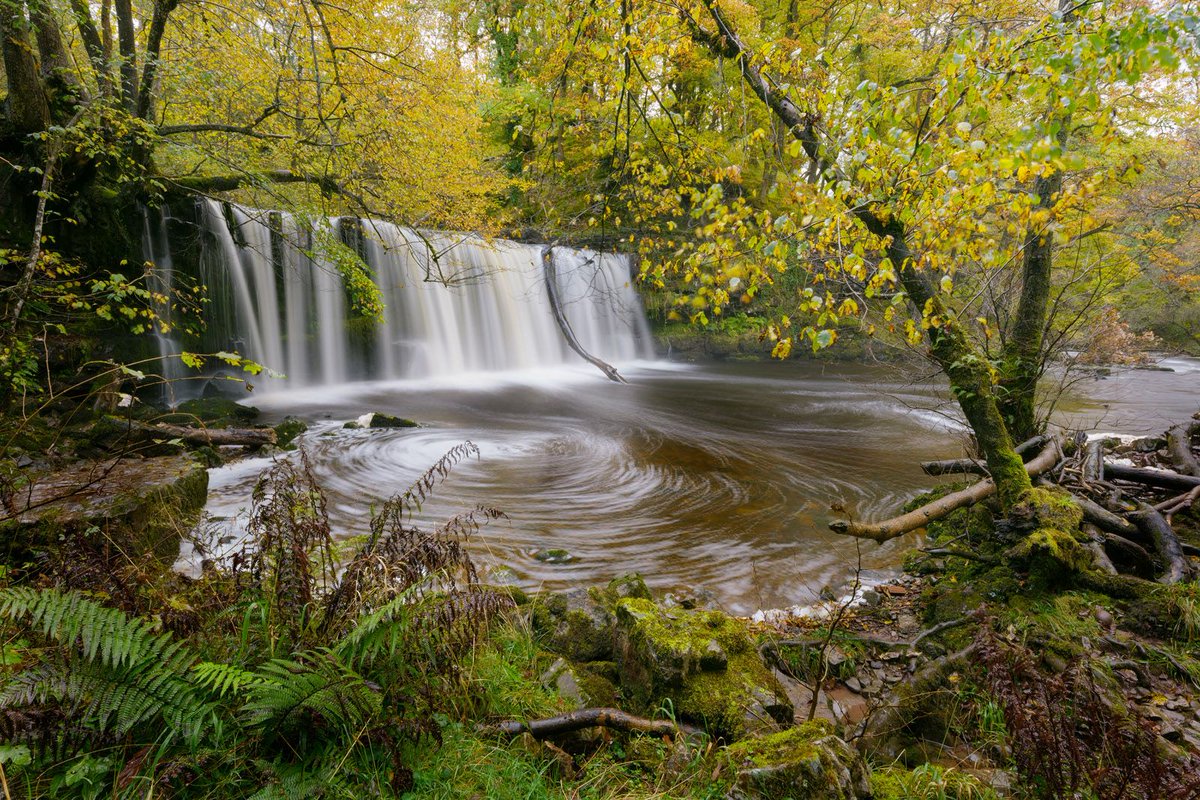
(378, 420)
(703, 663)
(579, 624)
(803, 763)
(287, 431)
(579, 686)
(582, 627)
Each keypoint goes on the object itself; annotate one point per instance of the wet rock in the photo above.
(378, 420)
(631, 585)
(804, 762)
(691, 599)
(554, 555)
(287, 431)
(667, 654)
(854, 685)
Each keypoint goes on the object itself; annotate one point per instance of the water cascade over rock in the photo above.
(454, 303)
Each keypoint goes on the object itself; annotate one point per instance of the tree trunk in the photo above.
(1022, 357)
(127, 45)
(28, 108)
(969, 373)
(92, 43)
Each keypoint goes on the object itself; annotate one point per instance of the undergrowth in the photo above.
(284, 672)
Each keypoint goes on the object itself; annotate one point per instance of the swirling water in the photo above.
(720, 476)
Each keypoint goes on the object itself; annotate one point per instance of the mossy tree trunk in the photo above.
(1023, 358)
(969, 372)
(28, 106)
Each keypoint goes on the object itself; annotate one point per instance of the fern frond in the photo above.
(221, 679)
(111, 672)
(73, 620)
(317, 685)
(380, 633)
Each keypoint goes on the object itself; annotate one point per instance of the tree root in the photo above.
(1166, 544)
(1104, 519)
(898, 526)
(570, 722)
(1179, 445)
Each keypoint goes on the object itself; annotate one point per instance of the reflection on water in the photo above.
(718, 477)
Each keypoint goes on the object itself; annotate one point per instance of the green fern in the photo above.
(70, 618)
(288, 694)
(379, 634)
(112, 672)
(222, 679)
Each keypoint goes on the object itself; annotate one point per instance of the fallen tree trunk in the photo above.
(974, 466)
(249, 437)
(551, 276)
(1166, 544)
(1179, 445)
(955, 466)
(1151, 477)
(572, 721)
(898, 526)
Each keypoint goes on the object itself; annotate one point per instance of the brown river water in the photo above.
(719, 476)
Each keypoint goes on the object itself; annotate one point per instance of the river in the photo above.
(718, 477)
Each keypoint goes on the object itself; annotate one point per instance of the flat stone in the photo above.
(149, 498)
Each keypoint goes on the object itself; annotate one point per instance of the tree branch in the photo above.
(204, 184)
(917, 518)
(585, 718)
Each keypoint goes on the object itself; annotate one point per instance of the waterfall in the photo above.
(453, 303)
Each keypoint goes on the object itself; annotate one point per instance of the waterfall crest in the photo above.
(454, 303)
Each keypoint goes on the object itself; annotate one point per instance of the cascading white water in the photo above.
(454, 303)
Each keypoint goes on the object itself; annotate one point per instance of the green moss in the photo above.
(966, 587)
(213, 411)
(287, 431)
(1051, 556)
(1048, 508)
(780, 748)
(702, 662)
(583, 636)
(806, 763)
